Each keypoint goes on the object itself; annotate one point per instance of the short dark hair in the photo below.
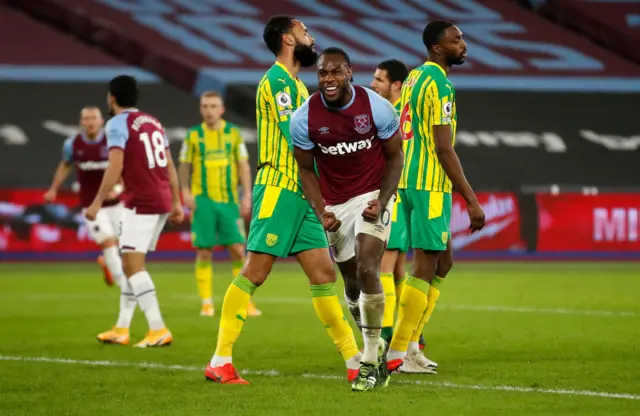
(434, 31)
(396, 70)
(273, 31)
(337, 51)
(124, 88)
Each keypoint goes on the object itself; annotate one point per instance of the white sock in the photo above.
(413, 348)
(114, 263)
(395, 354)
(354, 309)
(217, 361)
(145, 292)
(353, 363)
(371, 311)
(127, 304)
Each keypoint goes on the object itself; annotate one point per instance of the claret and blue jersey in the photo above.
(347, 141)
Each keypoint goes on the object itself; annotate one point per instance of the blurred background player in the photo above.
(139, 152)
(87, 151)
(352, 134)
(432, 169)
(214, 159)
(282, 223)
(387, 81)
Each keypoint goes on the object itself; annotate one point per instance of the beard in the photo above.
(455, 60)
(305, 55)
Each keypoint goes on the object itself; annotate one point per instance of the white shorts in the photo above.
(106, 225)
(140, 232)
(349, 213)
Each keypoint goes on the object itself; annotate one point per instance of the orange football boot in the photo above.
(252, 310)
(115, 336)
(108, 279)
(159, 338)
(225, 374)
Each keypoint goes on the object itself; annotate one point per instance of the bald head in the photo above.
(91, 121)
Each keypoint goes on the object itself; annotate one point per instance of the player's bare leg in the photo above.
(388, 281)
(255, 271)
(236, 253)
(369, 251)
(348, 270)
(113, 270)
(413, 306)
(317, 265)
(204, 280)
(145, 292)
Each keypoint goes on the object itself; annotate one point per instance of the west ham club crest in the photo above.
(361, 123)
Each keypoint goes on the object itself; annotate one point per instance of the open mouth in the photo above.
(330, 92)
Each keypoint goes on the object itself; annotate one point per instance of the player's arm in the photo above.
(62, 171)
(118, 188)
(111, 175)
(279, 95)
(184, 170)
(176, 215)
(387, 123)
(174, 183)
(393, 169)
(303, 152)
(244, 175)
(443, 137)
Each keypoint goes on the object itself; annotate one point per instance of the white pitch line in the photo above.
(275, 373)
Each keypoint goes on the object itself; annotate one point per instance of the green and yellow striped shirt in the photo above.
(428, 100)
(279, 95)
(214, 156)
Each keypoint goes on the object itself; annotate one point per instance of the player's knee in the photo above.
(203, 255)
(132, 264)
(257, 268)
(322, 276)
(367, 270)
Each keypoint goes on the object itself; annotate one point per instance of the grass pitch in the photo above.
(510, 338)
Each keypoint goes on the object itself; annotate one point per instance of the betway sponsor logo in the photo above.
(615, 224)
(346, 148)
(93, 165)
